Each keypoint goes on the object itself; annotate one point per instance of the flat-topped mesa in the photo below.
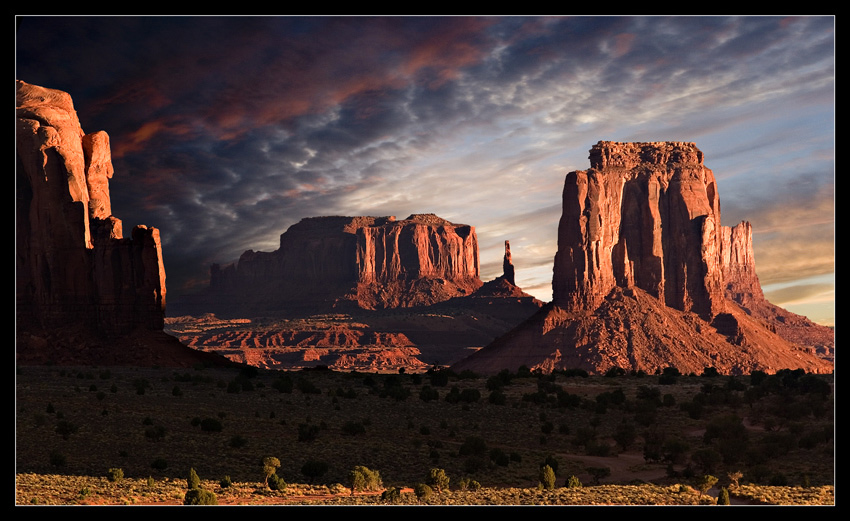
(606, 154)
(73, 265)
(644, 215)
(377, 262)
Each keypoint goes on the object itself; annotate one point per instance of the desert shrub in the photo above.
(428, 393)
(453, 396)
(598, 473)
(499, 457)
(353, 428)
(284, 384)
(115, 475)
(598, 448)
(270, 466)
(547, 478)
(439, 378)
(474, 464)
(422, 491)
(391, 495)
(706, 459)
(468, 484)
(57, 459)
(176, 391)
(141, 384)
(710, 372)
(276, 482)
(238, 441)
(155, 433)
(192, 480)
(473, 446)
(723, 497)
(551, 461)
(307, 432)
(573, 482)
(65, 429)
(159, 464)
(470, 395)
(674, 449)
(198, 496)
(705, 482)
(313, 469)
(307, 386)
(615, 371)
(497, 397)
(363, 479)
(225, 482)
(625, 434)
(211, 425)
(438, 480)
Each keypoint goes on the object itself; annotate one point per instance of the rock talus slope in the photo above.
(646, 277)
(77, 276)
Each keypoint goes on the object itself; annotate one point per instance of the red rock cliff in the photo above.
(644, 215)
(370, 262)
(646, 278)
(73, 265)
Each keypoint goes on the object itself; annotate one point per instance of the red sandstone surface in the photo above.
(645, 277)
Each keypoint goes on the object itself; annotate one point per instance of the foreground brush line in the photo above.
(514, 438)
(37, 489)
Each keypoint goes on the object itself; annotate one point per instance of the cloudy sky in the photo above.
(227, 130)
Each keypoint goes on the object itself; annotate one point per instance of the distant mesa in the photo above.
(348, 263)
(646, 277)
(84, 292)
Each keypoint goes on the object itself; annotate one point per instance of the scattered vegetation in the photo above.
(629, 438)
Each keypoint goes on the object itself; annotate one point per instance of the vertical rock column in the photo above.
(644, 214)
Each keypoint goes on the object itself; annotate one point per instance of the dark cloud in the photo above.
(226, 130)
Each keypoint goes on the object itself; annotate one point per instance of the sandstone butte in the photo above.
(84, 292)
(645, 277)
(348, 263)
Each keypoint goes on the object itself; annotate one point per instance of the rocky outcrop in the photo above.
(508, 266)
(645, 215)
(359, 262)
(73, 265)
(742, 287)
(645, 277)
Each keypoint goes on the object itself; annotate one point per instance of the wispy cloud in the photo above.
(227, 130)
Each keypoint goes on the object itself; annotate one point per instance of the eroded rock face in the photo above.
(367, 262)
(644, 215)
(742, 287)
(73, 265)
(646, 278)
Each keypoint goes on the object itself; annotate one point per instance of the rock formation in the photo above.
(74, 269)
(355, 262)
(743, 288)
(645, 215)
(645, 276)
(507, 265)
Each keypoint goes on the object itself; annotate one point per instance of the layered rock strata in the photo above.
(74, 267)
(645, 277)
(645, 215)
(364, 262)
